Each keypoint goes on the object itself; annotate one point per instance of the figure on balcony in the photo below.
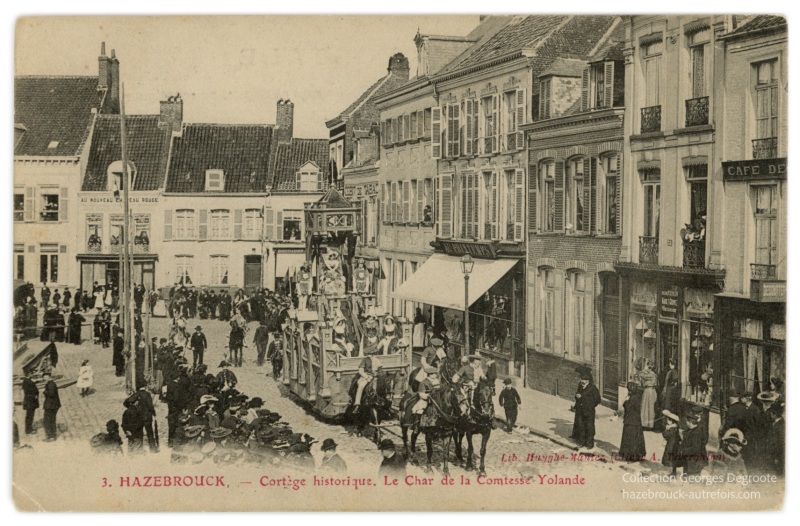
(695, 231)
(142, 238)
(95, 243)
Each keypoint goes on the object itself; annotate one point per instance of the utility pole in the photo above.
(125, 287)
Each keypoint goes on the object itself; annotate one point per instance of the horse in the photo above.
(438, 421)
(376, 402)
(477, 420)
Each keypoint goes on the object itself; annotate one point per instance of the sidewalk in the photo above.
(549, 417)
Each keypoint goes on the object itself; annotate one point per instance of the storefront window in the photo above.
(699, 377)
(754, 361)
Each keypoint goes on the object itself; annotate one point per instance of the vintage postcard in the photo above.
(378, 263)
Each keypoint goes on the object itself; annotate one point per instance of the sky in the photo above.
(233, 69)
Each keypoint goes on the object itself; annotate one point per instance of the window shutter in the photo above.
(463, 208)
(393, 216)
(542, 100)
(63, 205)
(533, 197)
(519, 204)
(269, 223)
(588, 318)
(446, 206)
(468, 113)
(585, 102)
(558, 315)
(420, 198)
(406, 201)
(545, 113)
(494, 214)
(30, 203)
(618, 160)
(420, 123)
(530, 302)
(167, 225)
(522, 115)
(457, 131)
(482, 112)
(593, 197)
(436, 133)
(496, 121)
(608, 85)
(237, 224)
(588, 212)
(278, 225)
(202, 227)
(406, 127)
(558, 192)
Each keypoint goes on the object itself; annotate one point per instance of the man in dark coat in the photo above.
(79, 302)
(57, 298)
(45, 295)
(586, 400)
(52, 403)
(68, 297)
(199, 344)
(735, 415)
(179, 396)
(148, 412)
(75, 322)
(275, 355)
(331, 461)
(138, 296)
(118, 360)
(30, 402)
(133, 423)
(51, 351)
(235, 343)
(693, 448)
(393, 464)
(261, 339)
(754, 427)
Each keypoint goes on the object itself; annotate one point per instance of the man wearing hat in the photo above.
(52, 403)
(775, 443)
(469, 375)
(275, 354)
(393, 464)
(261, 339)
(693, 448)
(148, 411)
(754, 427)
(510, 400)
(431, 357)
(30, 401)
(389, 341)
(736, 413)
(226, 377)
(425, 387)
(199, 344)
(331, 461)
(587, 398)
(672, 434)
(118, 359)
(133, 422)
(728, 460)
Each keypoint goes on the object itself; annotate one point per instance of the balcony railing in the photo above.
(697, 111)
(651, 119)
(759, 271)
(694, 254)
(765, 148)
(648, 250)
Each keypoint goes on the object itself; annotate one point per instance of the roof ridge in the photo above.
(55, 77)
(231, 125)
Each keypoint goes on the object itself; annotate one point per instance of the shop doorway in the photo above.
(667, 347)
(252, 273)
(610, 317)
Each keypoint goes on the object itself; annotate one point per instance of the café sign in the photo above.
(754, 170)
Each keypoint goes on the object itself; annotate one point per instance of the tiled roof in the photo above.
(611, 49)
(241, 151)
(380, 87)
(54, 111)
(518, 33)
(290, 157)
(147, 149)
(759, 23)
(565, 67)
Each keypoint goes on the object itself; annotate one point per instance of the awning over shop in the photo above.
(439, 281)
(291, 261)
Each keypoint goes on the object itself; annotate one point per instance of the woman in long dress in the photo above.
(99, 297)
(648, 381)
(632, 448)
(672, 389)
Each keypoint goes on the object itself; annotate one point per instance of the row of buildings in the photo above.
(619, 181)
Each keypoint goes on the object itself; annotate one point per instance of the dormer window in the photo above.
(309, 178)
(116, 179)
(215, 180)
(52, 145)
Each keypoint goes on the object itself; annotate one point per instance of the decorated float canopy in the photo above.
(332, 215)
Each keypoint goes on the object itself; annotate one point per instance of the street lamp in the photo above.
(466, 267)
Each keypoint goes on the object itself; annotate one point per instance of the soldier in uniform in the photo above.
(331, 461)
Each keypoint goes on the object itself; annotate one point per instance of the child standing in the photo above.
(509, 399)
(85, 378)
(672, 435)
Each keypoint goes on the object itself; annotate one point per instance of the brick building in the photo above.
(360, 116)
(54, 119)
(574, 203)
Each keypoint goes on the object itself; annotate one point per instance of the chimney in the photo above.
(113, 86)
(171, 116)
(284, 120)
(398, 66)
(422, 54)
(104, 68)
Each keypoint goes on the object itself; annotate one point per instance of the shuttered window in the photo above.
(445, 210)
(611, 194)
(184, 224)
(436, 133)
(548, 171)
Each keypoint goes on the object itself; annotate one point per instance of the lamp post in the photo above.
(466, 268)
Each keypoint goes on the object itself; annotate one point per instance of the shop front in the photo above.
(495, 299)
(670, 335)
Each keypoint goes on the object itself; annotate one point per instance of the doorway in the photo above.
(252, 273)
(610, 320)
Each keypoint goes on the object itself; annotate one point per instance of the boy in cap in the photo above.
(672, 435)
(331, 461)
(693, 448)
(510, 400)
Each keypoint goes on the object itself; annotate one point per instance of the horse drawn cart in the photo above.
(336, 325)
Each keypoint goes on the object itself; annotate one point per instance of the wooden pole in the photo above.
(125, 293)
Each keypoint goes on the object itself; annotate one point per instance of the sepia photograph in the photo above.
(515, 262)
